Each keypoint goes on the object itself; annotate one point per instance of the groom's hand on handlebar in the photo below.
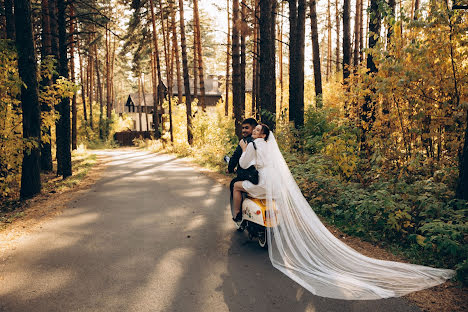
(235, 170)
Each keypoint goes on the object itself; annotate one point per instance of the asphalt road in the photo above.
(153, 234)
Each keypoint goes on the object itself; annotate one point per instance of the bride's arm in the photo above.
(248, 156)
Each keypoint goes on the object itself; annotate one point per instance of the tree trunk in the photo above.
(242, 57)
(416, 9)
(144, 102)
(55, 52)
(195, 65)
(257, 61)
(368, 109)
(346, 40)
(10, 20)
(63, 141)
(292, 58)
(91, 89)
(27, 68)
(280, 56)
(329, 41)
(46, 50)
(83, 91)
(255, 65)
(102, 130)
(226, 98)
(236, 70)
(72, 72)
(316, 54)
(357, 20)
(337, 21)
(108, 84)
(374, 33)
(185, 69)
(140, 125)
(176, 52)
(296, 70)
(462, 184)
(168, 75)
(392, 5)
(158, 100)
(154, 84)
(53, 12)
(301, 10)
(366, 44)
(112, 61)
(267, 84)
(199, 54)
(361, 29)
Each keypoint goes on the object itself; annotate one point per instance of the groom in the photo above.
(247, 127)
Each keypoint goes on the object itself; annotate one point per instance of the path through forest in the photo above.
(153, 234)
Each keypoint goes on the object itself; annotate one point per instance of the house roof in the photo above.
(212, 88)
(134, 98)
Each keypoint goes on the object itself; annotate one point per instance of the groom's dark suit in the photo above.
(234, 162)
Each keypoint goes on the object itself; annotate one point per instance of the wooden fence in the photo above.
(125, 138)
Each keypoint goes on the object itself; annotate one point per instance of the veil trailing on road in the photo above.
(302, 248)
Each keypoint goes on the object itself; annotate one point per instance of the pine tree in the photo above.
(198, 47)
(72, 73)
(267, 84)
(228, 57)
(236, 69)
(346, 39)
(185, 69)
(46, 52)
(63, 139)
(157, 96)
(296, 55)
(368, 110)
(316, 54)
(30, 173)
(10, 20)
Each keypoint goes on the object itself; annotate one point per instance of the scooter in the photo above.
(256, 217)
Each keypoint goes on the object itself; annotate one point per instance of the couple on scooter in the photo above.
(249, 155)
(300, 245)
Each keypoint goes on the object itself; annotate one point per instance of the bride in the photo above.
(301, 247)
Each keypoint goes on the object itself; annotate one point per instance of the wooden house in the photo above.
(133, 106)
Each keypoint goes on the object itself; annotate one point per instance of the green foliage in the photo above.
(11, 130)
(12, 143)
(417, 216)
(213, 134)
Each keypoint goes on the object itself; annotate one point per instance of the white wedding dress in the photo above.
(301, 247)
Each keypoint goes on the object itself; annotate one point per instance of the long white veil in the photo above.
(302, 248)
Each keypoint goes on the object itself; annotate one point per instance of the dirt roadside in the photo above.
(34, 212)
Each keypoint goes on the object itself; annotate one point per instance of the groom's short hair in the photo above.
(250, 121)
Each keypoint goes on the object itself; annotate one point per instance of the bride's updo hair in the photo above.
(265, 131)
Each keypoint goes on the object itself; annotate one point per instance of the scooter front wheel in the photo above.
(239, 226)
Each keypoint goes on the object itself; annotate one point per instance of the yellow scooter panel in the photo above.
(262, 203)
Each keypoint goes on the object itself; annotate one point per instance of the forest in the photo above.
(368, 100)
